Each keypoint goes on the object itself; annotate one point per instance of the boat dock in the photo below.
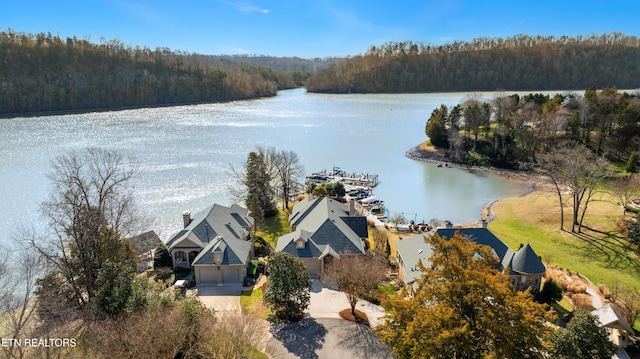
(338, 175)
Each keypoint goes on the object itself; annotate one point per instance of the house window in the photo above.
(180, 257)
(300, 243)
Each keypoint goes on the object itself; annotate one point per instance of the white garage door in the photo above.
(230, 276)
(207, 276)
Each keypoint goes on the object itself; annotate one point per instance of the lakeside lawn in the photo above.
(276, 226)
(601, 253)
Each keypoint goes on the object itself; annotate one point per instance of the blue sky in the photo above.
(311, 29)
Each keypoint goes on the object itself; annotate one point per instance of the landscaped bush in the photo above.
(251, 268)
(262, 247)
(581, 301)
(248, 281)
(576, 287)
(551, 292)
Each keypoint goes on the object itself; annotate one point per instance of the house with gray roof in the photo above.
(525, 266)
(216, 242)
(323, 228)
(145, 245)
(617, 326)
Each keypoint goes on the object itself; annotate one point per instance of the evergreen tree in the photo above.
(436, 128)
(287, 292)
(161, 256)
(632, 163)
(582, 339)
(259, 198)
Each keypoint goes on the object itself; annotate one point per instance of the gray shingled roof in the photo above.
(311, 248)
(610, 318)
(526, 261)
(413, 250)
(213, 221)
(329, 224)
(485, 237)
(235, 252)
(216, 228)
(144, 242)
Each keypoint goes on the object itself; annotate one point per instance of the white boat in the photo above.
(372, 201)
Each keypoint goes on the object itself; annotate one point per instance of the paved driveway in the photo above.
(327, 303)
(326, 338)
(221, 298)
(323, 334)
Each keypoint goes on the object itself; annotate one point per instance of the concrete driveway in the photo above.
(323, 334)
(327, 338)
(327, 303)
(221, 298)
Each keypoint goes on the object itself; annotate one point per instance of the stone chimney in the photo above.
(186, 218)
(448, 224)
(484, 223)
(352, 207)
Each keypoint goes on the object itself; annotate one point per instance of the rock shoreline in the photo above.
(437, 157)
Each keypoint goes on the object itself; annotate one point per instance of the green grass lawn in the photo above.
(601, 253)
(274, 227)
(251, 303)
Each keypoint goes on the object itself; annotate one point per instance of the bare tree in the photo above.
(17, 300)
(381, 242)
(356, 274)
(288, 170)
(624, 191)
(90, 209)
(502, 106)
(282, 167)
(575, 169)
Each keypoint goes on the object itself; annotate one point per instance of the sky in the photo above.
(310, 29)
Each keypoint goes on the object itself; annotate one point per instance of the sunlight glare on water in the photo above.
(184, 153)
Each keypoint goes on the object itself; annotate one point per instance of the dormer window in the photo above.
(300, 243)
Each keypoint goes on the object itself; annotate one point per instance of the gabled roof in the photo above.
(310, 250)
(412, 250)
(526, 261)
(483, 236)
(610, 318)
(144, 242)
(214, 221)
(233, 252)
(328, 223)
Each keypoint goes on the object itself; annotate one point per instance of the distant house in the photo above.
(216, 242)
(145, 245)
(618, 327)
(525, 267)
(323, 228)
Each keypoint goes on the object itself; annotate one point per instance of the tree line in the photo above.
(513, 131)
(285, 64)
(570, 139)
(46, 73)
(486, 64)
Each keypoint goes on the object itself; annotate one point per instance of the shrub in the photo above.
(551, 292)
(252, 268)
(576, 287)
(161, 256)
(262, 247)
(582, 301)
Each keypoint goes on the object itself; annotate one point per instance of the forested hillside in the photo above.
(514, 131)
(287, 64)
(517, 63)
(43, 73)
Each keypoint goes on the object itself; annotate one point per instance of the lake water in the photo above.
(184, 153)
